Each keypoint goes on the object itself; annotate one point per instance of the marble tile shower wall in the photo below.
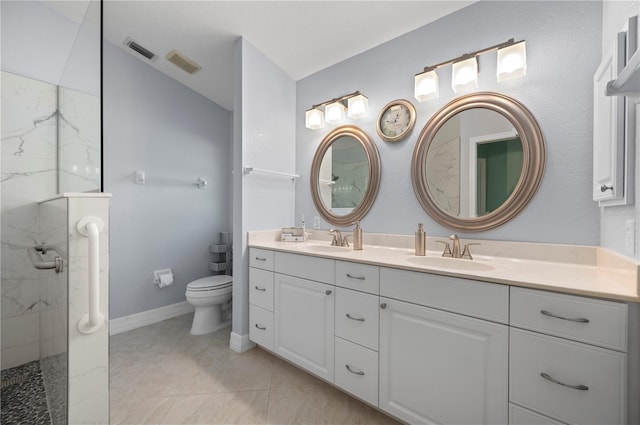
(29, 132)
(79, 141)
(50, 144)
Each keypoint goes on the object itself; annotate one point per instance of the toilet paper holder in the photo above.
(163, 277)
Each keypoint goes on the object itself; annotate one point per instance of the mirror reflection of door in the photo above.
(474, 163)
(499, 165)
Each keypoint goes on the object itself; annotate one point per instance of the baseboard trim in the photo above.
(144, 318)
(240, 343)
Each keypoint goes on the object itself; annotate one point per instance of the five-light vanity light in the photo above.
(355, 105)
(512, 63)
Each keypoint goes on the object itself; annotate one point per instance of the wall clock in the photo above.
(396, 120)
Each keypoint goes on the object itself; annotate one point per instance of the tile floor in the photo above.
(162, 375)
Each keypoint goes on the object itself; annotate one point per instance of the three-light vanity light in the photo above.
(355, 105)
(512, 63)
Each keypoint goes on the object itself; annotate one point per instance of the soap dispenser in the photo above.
(420, 247)
(357, 237)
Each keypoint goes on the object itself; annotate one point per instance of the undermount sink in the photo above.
(327, 248)
(451, 264)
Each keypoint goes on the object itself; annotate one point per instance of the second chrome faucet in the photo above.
(454, 250)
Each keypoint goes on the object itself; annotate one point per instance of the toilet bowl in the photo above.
(211, 298)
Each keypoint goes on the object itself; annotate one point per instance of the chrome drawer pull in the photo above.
(575, 387)
(350, 276)
(358, 319)
(578, 320)
(262, 328)
(261, 259)
(260, 289)
(359, 372)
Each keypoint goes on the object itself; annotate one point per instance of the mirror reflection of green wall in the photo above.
(498, 171)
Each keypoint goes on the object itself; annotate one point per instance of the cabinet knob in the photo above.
(383, 306)
(328, 292)
(604, 188)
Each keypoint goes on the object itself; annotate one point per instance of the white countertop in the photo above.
(571, 269)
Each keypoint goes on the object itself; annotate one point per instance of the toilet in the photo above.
(211, 297)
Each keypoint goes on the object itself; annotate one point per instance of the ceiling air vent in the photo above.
(139, 49)
(183, 62)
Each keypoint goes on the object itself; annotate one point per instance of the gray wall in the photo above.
(563, 52)
(155, 124)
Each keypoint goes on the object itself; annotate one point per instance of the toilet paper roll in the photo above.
(166, 279)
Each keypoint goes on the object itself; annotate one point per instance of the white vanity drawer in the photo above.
(583, 319)
(357, 370)
(522, 416)
(484, 300)
(306, 267)
(261, 326)
(357, 317)
(361, 277)
(597, 377)
(261, 258)
(261, 288)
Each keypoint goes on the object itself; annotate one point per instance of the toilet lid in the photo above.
(211, 282)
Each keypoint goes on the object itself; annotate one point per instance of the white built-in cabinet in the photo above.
(438, 367)
(432, 349)
(614, 126)
(304, 324)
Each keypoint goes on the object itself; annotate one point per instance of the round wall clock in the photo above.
(396, 120)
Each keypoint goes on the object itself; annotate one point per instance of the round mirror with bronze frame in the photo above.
(345, 175)
(530, 165)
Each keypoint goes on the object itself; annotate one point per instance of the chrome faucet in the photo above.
(454, 251)
(337, 237)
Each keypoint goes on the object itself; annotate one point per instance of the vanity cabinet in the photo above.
(304, 313)
(261, 297)
(437, 366)
(434, 349)
(568, 357)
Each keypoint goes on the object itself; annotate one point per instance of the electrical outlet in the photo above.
(630, 237)
(316, 222)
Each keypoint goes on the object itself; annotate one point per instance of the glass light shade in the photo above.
(512, 62)
(334, 113)
(358, 107)
(426, 86)
(465, 75)
(314, 119)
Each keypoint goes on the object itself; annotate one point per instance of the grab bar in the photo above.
(93, 320)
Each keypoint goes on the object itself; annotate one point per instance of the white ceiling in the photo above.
(301, 37)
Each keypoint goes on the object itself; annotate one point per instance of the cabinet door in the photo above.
(304, 321)
(441, 368)
(608, 128)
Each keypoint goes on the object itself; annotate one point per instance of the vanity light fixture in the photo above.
(464, 75)
(355, 105)
(334, 113)
(426, 86)
(314, 118)
(512, 63)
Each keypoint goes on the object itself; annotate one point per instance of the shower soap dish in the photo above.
(293, 234)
